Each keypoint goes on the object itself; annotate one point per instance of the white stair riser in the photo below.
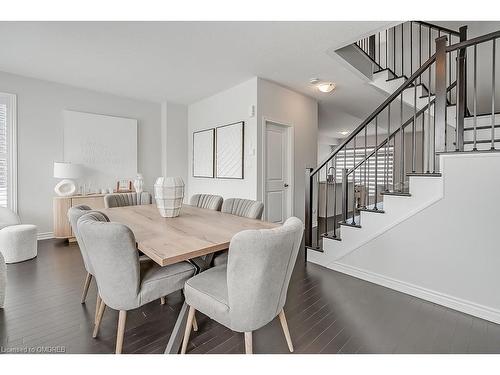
(424, 190)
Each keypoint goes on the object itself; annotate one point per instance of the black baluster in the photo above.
(354, 180)
(376, 162)
(365, 168)
(402, 156)
(420, 48)
(413, 130)
(388, 144)
(475, 98)
(335, 196)
(493, 76)
(402, 50)
(386, 49)
(411, 48)
(394, 48)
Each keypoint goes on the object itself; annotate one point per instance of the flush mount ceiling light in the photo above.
(344, 132)
(323, 86)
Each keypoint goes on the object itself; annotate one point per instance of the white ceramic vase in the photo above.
(139, 183)
(169, 193)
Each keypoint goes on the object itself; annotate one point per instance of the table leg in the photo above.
(177, 335)
(202, 263)
(175, 341)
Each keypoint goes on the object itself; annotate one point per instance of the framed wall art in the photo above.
(203, 153)
(229, 150)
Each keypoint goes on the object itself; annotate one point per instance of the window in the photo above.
(382, 167)
(8, 152)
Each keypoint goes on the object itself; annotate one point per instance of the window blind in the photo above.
(4, 156)
(355, 156)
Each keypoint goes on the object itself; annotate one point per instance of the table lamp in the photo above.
(68, 172)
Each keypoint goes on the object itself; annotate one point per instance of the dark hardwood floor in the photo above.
(327, 312)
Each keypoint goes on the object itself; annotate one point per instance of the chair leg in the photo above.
(162, 300)
(122, 318)
(97, 305)
(187, 332)
(195, 324)
(284, 325)
(100, 313)
(248, 343)
(86, 285)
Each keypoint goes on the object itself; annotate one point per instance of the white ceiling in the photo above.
(185, 61)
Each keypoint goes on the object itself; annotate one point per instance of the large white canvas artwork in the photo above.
(106, 146)
(229, 150)
(203, 153)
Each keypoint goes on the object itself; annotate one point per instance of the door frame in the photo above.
(290, 161)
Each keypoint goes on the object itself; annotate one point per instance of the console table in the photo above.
(61, 205)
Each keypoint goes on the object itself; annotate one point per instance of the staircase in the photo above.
(391, 167)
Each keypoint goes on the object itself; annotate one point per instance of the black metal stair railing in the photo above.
(403, 136)
(469, 60)
(371, 160)
(403, 48)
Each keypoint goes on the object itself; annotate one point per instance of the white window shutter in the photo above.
(4, 156)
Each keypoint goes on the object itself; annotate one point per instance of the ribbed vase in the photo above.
(169, 193)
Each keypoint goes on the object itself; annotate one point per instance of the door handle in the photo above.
(285, 185)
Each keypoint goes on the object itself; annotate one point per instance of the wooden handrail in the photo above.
(437, 27)
(473, 41)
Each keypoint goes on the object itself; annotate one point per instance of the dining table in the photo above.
(193, 236)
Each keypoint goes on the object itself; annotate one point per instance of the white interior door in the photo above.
(277, 183)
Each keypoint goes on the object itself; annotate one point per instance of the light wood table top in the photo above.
(195, 232)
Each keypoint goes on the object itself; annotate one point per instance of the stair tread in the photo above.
(384, 69)
(319, 249)
(465, 152)
(377, 211)
(396, 77)
(350, 224)
(396, 193)
(424, 174)
(330, 235)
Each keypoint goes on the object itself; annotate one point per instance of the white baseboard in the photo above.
(468, 307)
(45, 235)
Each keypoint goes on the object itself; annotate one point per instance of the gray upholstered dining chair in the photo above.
(251, 290)
(243, 207)
(239, 207)
(74, 213)
(122, 284)
(126, 199)
(212, 202)
(3, 280)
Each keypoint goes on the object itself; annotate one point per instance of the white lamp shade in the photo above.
(66, 170)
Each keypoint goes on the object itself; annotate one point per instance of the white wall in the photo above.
(447, 253)
(175, 140)
(325, 144)
(272, 102)
(40, 137)
(282, 105)
(333, 120)
(220, 109)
